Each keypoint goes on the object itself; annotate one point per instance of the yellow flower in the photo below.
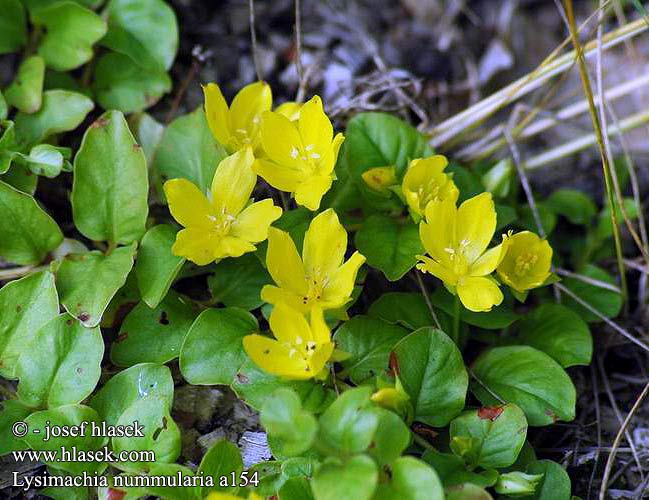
(319, 278)
(290, 110)
(238, 125)
(526, 263)
(457, 240)
(222, 226)
(380, 178)
(299, 351)
(425, 181)
(301, 154)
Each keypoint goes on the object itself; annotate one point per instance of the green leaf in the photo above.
(120, 83)
(212, 352)
(61, 365)
(291, 430)
(411, 479)
(25, 306)
(153, 335)
(88, 281)
(26, 91)
(13, 26)
(527, 221)
(47, 160)
(133, 384)
(499, 317)
(188, 150)
(111, 188)
(574, 205)
(369, 341)
(148, 133)
(516, 483)
(607, 302)
(467, 491)
(489, 437)
(144, 30)
(180, 492)
(70, 32)
(555, 484)
(467, 181)
(161, 434)
(391, 439)
(222, 459)
(28, 232)
(157, 267)
(61, 111)
(402, 308)
(529, 378)
(65, 416)
(357, 478)
(296, 488)
(558, 332)
(238, 282)
(349, 424)
(3, 114)
(21, 178)
(432, 373)
(11, 411)
(389, 245)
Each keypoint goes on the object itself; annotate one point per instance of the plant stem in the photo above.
(456, 320)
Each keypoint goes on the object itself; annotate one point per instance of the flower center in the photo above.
(307, 154)
(316, 284)
(524, 262)
(221, 223)
(457, 256)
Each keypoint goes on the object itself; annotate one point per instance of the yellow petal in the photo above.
(325, 243)
(233, 182)
(275, 358)
(187, 204)
(275, 295)
(282, 177)
(290, 110)
(319, 329)
(230, 246)
(341, 284)
(479, 294)
(248, 105)
(315, 127)
(217, 113)
(288, 325)
(310, 192)
(320, 356)
(380, 178)
(253, 222)
(476, 223)
(527, 261)
(281, 140)
(328, 161)
(197, 245)
(428, 265)
(438, 232)
(488, 261)
(284, 263)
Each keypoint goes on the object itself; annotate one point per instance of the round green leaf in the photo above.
(607, 302)
(406, 309)
(144, 30)
(65, 416)
(88, 281)
(152, 335)
(13, 26)
(28, 232)
(573, 205)
(349, 424)
(26, 91)
(238, 282)
(119, 83)
(60, 111)
(111, 187)
(489, 437)
(156, 266)
(128, 386)
(222, 459)
(61, 365)
(369, 342)
(25, 306)
(357, 478)
(70, 32)
(529, 378)
(188, 150)
(433, 374)
(411, 479)
(180, 492)
(555, 484)
(389, 245)
(212, 352)
(559, 332)
(467, 491)
(161, 434)
(391, 439)
(11, 411)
